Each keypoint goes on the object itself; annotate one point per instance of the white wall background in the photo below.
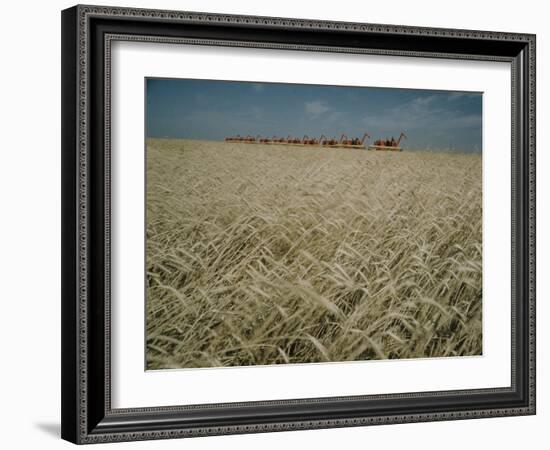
(30, 223)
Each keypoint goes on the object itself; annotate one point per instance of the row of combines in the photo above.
(390, 144)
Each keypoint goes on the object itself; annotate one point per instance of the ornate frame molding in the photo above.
(80, 424)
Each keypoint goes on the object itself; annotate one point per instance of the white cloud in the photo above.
(316, 108)
(421, 114)
(422, 102)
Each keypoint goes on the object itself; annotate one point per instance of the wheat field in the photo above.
(260, 254)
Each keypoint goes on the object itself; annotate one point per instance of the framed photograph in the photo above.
(279, 224)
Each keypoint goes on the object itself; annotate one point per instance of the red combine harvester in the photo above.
(352, 143)
(250, 139)
(244, 139)
(294, 141)
(311, 141)
(266, 140)
(390, 145)
(236, 138)
(283, 141)
(344, 142)
(329, 142)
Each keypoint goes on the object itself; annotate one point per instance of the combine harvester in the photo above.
(276, 140)
(307, 141)
(388, 145)
(329, 142)
(352, 143)
(323, 141)
(250, 139)
(267, 140)
(236, 138)
(242, 139)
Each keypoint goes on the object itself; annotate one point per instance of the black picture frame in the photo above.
(87, 32)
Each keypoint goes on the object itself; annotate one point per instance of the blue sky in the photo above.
(206, 109)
